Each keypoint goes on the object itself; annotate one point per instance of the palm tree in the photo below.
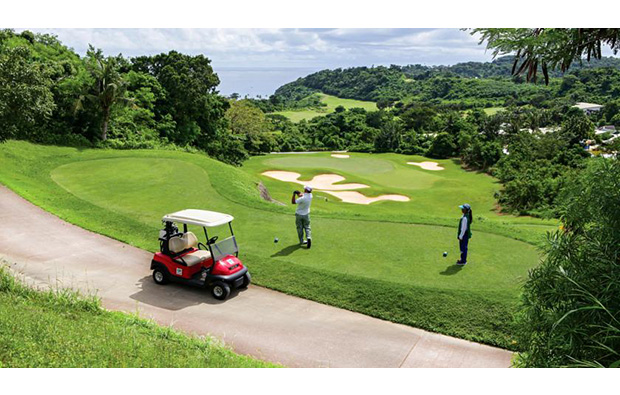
(108, 88)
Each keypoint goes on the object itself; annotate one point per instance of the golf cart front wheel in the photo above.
(220, 290)
(160, 276)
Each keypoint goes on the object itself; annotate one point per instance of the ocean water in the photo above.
(257, 81)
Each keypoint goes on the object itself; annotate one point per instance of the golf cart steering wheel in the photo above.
(202, 246)
(212, 240)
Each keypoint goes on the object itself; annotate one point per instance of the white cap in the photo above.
(308, 188)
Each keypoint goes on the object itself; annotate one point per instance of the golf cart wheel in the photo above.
(246, 280)
(160, 276)
(220, 290)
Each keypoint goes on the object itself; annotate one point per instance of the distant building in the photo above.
(606, 129)
(550, 129)
(588, 108)
(544, 130)
(611, 139)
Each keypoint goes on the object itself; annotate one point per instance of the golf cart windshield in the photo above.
(225, 247)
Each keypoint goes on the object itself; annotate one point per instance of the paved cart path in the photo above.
(259, 322)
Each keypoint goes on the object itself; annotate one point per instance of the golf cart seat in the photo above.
(192, 259)
(187, 241)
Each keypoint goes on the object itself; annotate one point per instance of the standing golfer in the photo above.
(464, 232)
(302, 214)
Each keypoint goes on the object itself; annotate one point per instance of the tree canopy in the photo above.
(548, 48)
(25, 96)
(107, 88)
(49, 94)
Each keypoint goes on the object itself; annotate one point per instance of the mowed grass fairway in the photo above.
(493, 110)
(489, 111)
(332, 102)
(383, 260)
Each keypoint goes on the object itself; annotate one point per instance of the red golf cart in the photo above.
(184, 259)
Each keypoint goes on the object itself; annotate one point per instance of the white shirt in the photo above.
(303, 204)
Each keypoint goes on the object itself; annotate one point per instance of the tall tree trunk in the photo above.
(104, 127)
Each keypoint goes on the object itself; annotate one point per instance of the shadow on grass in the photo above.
(286, 251)
(451, 270)
(472, 169)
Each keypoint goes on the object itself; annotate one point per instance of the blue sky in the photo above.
(269, 48)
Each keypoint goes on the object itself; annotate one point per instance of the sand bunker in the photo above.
(358, 198)
(427, 165)
(340, 156)
(323, 182)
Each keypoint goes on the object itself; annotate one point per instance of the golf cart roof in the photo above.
(199, 217)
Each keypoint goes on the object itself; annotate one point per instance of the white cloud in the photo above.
(306, 50)
(302, 51)
(323, 48)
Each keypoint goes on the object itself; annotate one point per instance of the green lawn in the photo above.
(488, 110)
(384, 260)
(493, 110)
(298, 115)
(63, 329)
(332, 102)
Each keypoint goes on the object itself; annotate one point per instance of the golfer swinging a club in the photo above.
(464, 232)
(302, 214)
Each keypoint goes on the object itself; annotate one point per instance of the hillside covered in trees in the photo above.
(464, 85)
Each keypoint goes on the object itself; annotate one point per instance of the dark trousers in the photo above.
(463, 246)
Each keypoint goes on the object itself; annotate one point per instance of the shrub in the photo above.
(443, 146)
(570, 314)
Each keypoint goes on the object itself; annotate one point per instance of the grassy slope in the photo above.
(406, 280)
(493, 110)
(332, 102)
(63, 329)
(488, 110)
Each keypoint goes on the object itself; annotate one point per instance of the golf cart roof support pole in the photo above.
(209, 245)
(233, 235)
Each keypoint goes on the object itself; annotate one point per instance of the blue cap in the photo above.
(465, 206)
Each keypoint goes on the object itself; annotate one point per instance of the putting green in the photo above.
(384, 259)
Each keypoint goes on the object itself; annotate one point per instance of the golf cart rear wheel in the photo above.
(160, 276)
(220, 290)
(246, 280)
